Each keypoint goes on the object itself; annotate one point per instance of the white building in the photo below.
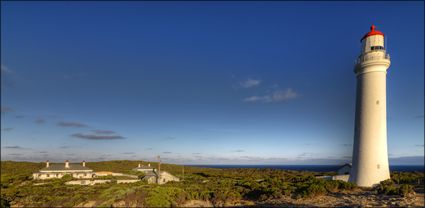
(344, 169)
(144, 168)
(370, 156)
(152, 177)
(58, 170)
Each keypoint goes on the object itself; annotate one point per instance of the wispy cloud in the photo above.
(419, 116)
(304, 154)
(169, 138)
(419, 145)
(166, 152)
(103, 132)
(238, 150)
(65, 147)
(250, 83)
(13, 147)
(5, 70)
(149, 148)
(40, 121)
(275, 96)
(71, 124)
(7, 129)
(97, 137)
(128, 153)
(6, 80)
(6, 109)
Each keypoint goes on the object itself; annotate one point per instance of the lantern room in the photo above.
(373, 41)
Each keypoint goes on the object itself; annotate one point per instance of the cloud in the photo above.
(250, 83)
(6, 79)
(42, 152)
(196, 153)
(128, 153)
(149, 148)
(71, 124)
(238, 150)
(6, 109)
(65, 147)
(305, 154)
(97, 137)
(419, 116)
(5, 70)
(7, 129)
(419, 145)
(39, 121)
(166, 152)
(13, 147)
(103, 132)
(347, 145)
(275, 96)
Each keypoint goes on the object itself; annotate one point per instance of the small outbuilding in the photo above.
(344, 169)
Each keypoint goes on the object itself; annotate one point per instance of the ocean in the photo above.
(315, 168)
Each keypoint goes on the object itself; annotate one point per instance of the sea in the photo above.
(315, 168)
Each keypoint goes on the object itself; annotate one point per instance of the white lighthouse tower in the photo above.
(370, 156)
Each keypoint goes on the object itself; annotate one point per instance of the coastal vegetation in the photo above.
(219, 187)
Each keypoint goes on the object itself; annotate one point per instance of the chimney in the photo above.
(66, 164)
(138, 165)
(84, 163)
(47, 163)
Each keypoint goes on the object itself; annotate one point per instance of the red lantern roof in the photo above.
(372, 32)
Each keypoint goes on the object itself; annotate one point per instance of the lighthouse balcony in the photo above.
(373, 56)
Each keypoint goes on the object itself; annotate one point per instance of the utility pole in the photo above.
(183, 172)
(159, 170)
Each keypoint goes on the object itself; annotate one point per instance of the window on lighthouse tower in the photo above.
(377, 48)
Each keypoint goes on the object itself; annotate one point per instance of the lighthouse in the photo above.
(370, 156)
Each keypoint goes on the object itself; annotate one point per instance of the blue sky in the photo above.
(202, 82)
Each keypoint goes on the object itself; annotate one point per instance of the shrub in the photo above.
(405, 189)
(388, 187)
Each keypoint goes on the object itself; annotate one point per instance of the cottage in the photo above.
(55, 170)
(152, 177)
(344, 169)
(144, 168)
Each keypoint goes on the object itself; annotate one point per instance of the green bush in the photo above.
(388, 187)
(405, 190)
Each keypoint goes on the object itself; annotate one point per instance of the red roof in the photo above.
(372, 32)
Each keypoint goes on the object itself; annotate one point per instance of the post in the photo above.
(183, 172)
(47, 163)
(66, 164)
(159, 169)
(84, 163)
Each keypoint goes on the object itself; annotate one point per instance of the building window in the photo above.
(376, 48)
